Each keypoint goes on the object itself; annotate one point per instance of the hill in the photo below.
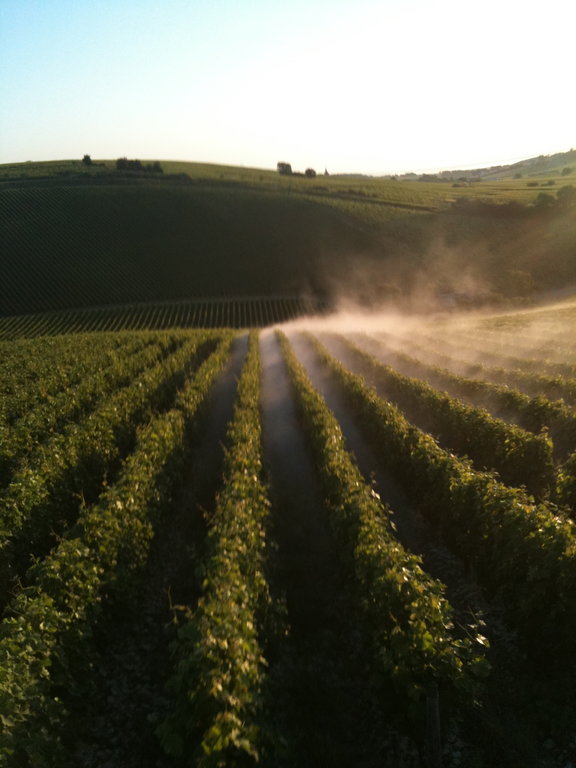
(77, 237)
(202, 530)
(559, 164)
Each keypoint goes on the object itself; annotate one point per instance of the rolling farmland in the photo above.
(327, 544)
(239, 528)
(101, 250)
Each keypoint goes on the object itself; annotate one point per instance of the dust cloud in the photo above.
(456, 339)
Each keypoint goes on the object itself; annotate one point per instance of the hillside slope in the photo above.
(76, 242)
(70, 246)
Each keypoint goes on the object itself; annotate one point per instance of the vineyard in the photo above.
(211, 245)
(326, 544)
(215, 312)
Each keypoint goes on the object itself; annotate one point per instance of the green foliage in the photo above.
(536, 413)
(406, 615)
(46, 414)
(521, 458)
(49, 623)
(218, 663)
(566, 484)
(44, 495)
(523, 553)
(95, 435)
(544, 200)
(31, 371)
(566, 195)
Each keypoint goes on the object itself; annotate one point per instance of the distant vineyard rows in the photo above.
(122, 541)
(241, 312)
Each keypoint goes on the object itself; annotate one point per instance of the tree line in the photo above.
(285, 169)
(124, 164)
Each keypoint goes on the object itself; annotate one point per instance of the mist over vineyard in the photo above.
(327, 522)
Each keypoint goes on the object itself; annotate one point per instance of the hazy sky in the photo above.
(350, 85)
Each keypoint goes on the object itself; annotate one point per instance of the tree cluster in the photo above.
(285, 169)
(123, 164)
(565, 197)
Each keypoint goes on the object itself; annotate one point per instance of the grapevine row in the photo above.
(50, 622)
(235, 312)
(535, 414)
(553, 386)
(33, 370)
(522, 552)
(531, 413)
(504, 357)
(43, 498)
(520, 457)
(50, 416)
(407, 618)
(218, 661)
